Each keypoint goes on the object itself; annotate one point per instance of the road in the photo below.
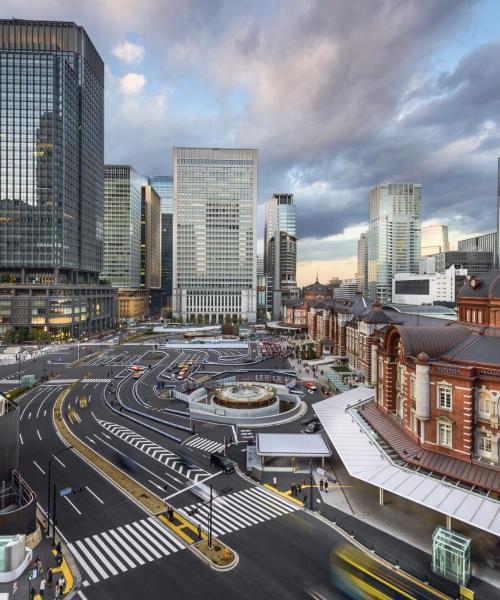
(124, 552)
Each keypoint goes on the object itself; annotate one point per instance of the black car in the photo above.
(312, 427)
(222, 462)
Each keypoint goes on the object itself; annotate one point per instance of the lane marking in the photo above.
(21, 438)
(39, 436)
(68, 500)
(94, 494)
(29, 416)
(39, 467)
(60, 461)
(91, 440)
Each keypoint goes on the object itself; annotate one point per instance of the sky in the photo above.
(336, 95)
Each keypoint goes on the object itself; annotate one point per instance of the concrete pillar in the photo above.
(381, 496)
(448, 522)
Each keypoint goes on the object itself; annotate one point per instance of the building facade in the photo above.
(133, 304)
(51, 161)
(427, 288)
(479, 243)
(394, 235)
(214, 234)
(363, 262)
(151, 247)
(475, 262)
(164, 186)
(122, 226)
(261, 290)
(442, 384)
(434, 239)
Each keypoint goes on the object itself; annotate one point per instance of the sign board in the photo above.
(32, 574)
(466, 593)
(65, 491)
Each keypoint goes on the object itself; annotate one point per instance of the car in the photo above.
(218, 459)
(312, 427)
(310, 386)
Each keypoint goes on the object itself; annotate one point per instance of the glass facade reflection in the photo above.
(164, 186)
(215, 200)
(51, 151)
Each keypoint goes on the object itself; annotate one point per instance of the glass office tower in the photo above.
(215, 202)
(51, 170)
(393, 236)
(164, 186)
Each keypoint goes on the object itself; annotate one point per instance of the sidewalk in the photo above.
(47, 555)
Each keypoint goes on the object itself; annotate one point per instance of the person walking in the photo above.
(293, 488)
(299, 487)
(304, 499)
(57, 591)
(275, 481)
(41, 589)
(50, 577)
(62, 584)
(321, 484)
(32, 593)
(326, 486)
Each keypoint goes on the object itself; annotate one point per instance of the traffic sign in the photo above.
(32, 574)
(65, 491)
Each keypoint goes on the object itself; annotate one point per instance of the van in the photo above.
(221, 462)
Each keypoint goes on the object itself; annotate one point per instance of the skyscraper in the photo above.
(394, 235)
(164, 186)
(151, 246)
(363, 263)
(51, 181)
(280, 251)
(480, 243)
(122, 226)
(214, 241)
(434, 239)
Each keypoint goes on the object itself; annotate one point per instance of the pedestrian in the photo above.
(326, 486)
(57, 591)
(299, 487)
(59, 559)
(275, 481)
(58, 546)
(50, 577)
(32, 593)
(292, 488)
(199, 531)
(304, 499)
(62, 584)
(321, 484)
(41, 589)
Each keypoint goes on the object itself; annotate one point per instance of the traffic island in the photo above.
(219, 555)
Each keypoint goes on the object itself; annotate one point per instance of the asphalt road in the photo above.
(282, 549)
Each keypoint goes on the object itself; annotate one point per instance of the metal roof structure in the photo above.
(292, 444)
(364, 459)
(421, 309)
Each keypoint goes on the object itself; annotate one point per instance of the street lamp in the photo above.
(48, 489)
(19, 370)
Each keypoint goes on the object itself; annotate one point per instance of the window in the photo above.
(484, 443)
(444, 397)
(413, 384)
(484, 403)
(444, 433)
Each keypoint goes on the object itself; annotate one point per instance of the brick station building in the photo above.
(440, 386)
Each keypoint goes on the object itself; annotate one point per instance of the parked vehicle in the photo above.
(312, 427)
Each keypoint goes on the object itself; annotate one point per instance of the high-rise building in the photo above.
(51, 180)
(479, 243)
(476, 263)
(214, 239)
(122, 226)
(164, 186)
(497, 252)
(261, 289)
(280, 217)
(347, 289)
(363, 263)
(282, 270)
(434, 239)
(394, 235)
(151, 246)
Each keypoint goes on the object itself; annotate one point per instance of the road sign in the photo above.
(65, 491)
(33, 574)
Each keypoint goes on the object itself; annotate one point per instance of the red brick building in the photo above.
(441, 384)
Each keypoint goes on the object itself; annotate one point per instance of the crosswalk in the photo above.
(66, 381)
(123, 548)
(240, 509)
(205, 444)
(123, 359)
(159, 453)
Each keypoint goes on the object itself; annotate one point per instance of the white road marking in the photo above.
(39, 467)
(94, 494)
(68, 500)
(39, 436)
(90, 439)
(81, 594)
(60, 461)
(29, 416)
(21, 438)
(44, 413)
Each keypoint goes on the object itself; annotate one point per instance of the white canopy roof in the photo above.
(292, 444)
(364, 460)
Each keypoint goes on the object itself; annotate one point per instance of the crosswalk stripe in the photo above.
(107, 551)
(95, 549)
(252, 517)
(178, 545)
(276, 499)
(139, 537)
(157, 535)
(96, 565)
(139, 529)
(269, 503)
(219, 524)
(205, 444)
(133, 544)
(248, 501)
(118, 549)
(83, 563)
(274, 509)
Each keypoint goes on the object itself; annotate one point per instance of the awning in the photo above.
(366, 461)
(292, 444)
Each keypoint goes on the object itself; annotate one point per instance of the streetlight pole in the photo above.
(311, 485)
(48, 490)
(19, 370)
(210, 518)
(78, 347)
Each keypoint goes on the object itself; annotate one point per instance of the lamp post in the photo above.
(19, 370)
(311, 485)
(48, 488)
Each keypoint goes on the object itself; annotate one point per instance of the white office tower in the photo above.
(214, 234)
(434, 239)
(426, 288)
(363, 263)
(280, 252)
(394, 235)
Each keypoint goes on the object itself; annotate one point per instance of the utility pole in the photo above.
(19, 370)
(210, 518)
(311, 485)
(48, 490)
(54, 517)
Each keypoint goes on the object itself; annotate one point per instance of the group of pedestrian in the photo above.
(323, 485)
(296, 488)
(46, 583)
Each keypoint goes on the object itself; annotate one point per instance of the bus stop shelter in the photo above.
(298, 448)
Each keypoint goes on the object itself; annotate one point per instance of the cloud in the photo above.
(128, 52)
(132, 84)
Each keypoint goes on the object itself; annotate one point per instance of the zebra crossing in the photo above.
(240, 509)
(66, 381)
(162, 455)
(123, 548)
(123, 359)
(205, 444)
